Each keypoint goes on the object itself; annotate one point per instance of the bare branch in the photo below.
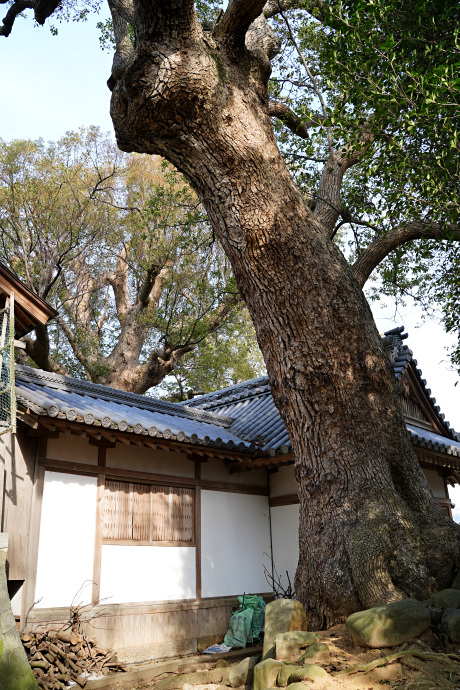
(313, 81)
(291, 120)
(382, 246)
(314, 7)
(237, 19)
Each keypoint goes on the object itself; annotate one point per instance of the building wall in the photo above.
(66, 544)
(436, 483)
(285, 542)
(235, 538)
(147, 573)
(148, 460)
(216, 470)
(17, 467)
(150, 604)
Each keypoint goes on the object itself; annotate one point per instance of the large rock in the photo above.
(450, 624)
(292, 674)
(290, 646)
(266, 673)
(447, 599)
(389, 624)
(318, 652)
(281, 616)
(243, 673)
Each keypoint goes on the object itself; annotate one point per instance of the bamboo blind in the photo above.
(147, 513)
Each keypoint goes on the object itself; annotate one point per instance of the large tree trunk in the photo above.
(370, 529)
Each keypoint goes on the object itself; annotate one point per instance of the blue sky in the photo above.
(53, 84)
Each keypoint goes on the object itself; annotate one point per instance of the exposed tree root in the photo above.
(426, 656)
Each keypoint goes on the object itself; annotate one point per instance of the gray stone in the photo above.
(389, 624)
(281, 616)
(296, 686)
(289, 646)
(243, 673)
(450, 624)
(292, 674)
(447, 599)
(266, 673)
(317, 652)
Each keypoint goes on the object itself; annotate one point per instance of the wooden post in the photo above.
(28, 598)
(198, 530)
(101, 460)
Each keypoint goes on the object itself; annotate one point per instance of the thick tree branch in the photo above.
(124, 47)
(382, 246)
(328, 205)
(237, 19)
(39, 351)
(159, 18)
(42, 10)
(291, 120)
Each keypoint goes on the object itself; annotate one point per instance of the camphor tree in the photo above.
(120, 245)
(370, 530)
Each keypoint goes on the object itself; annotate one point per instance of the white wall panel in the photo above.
(66, 546)
(285, 541)
(235, 534)
(147, 573)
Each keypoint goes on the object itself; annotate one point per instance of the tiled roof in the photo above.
(256, 419)
(429, 439)
(241, 417)
(64, 397)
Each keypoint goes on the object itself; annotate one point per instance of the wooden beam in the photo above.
(289, 500)
(145, 439)
(162, 479)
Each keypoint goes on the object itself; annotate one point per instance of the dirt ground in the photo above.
(408, 673)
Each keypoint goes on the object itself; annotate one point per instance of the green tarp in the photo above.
(247, 623)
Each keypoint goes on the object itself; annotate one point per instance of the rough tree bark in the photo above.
(370, 529)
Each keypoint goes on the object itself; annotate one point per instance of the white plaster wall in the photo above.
(16, 602)
(147, 573)
(150, 460)
(282, 483)
(285, 541)
(436, 483)
(66, 546)
(235, 535)
(72, 448)
(216, 470)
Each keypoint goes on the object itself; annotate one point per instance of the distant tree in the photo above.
(227, 356)
(120, 245)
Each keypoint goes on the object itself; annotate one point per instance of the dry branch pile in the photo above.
(62, 658)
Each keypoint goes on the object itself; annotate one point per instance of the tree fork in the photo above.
(370, 529)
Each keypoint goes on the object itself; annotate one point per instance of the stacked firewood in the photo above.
(63, 658)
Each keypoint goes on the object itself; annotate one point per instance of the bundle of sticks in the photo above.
(61, 658)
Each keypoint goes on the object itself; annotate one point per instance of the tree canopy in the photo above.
(121, 247)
